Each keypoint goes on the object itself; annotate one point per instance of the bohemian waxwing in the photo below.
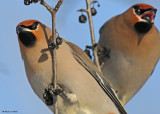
(76, 73)
(130, 49)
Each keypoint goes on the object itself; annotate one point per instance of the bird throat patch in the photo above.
(27, 38)
(143, 27)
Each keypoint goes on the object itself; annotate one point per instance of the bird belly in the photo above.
(75, 79)
(125, 73)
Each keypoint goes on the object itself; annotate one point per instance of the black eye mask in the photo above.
(140, 11)
(31, 27)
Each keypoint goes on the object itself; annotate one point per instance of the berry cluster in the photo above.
(83, 18)
(27, 2)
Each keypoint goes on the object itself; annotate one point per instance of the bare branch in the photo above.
(82, 10)
(53, 52)
(46, 5)
(88, 3)
(91, 2)
(58, 5)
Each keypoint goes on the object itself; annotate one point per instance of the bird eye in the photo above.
(34, 25)
(137, 10)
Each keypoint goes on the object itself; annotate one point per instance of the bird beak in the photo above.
(21, 29)
(149, 15)
(155, 10)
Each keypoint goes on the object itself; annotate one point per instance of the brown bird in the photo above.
(130, 49)
(83, 89)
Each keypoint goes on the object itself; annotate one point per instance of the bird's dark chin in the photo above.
(143, 27)
(27, 38)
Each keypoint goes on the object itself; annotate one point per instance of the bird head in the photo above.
(30, 32)
(140, 17)
(33, 37)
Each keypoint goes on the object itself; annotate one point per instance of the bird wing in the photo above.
(86, 62)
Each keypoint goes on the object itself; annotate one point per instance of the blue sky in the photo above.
(16, 93)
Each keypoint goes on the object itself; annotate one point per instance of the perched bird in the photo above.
(130, 49)
(83, 89)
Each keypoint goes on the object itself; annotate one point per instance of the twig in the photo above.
(46, 5)
(58, 5)
(53, 52)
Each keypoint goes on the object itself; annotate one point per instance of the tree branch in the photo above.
(53, 52)
(58, 5)
(46, 5)
(88, 3)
